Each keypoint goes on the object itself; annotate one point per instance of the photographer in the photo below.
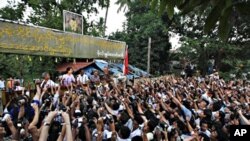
(48, 121)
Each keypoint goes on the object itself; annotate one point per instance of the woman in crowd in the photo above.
(68, 79)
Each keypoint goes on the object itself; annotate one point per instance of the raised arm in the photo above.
(32, 126)
(45, 128)
(12, 128)
(175, 100)
(61, 136)
(243, 119)
(141, 112)
(87, 132)
(130, 112)
(109, 109)
(69, 136)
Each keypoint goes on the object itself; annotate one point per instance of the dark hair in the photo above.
(207, 102)
(172, 133)
(115, 106)
(90, 100)
(138, 119)
(137, 138)
(124, 118)
(222, 117)
(222, 136)
(217, 105)
(186, 103)
(208, 114)
(124, 132)
(151, 125)
(54, 130)
(205, 137)
(203, 122)
(82, 133)
(68, 69)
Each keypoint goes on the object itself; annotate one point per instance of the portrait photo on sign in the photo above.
(72, 22)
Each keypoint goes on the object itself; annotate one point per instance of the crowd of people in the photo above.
(96, 108)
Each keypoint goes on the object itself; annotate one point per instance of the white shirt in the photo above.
(48, 84)
(19, 88)
(207, 98)
(2, 84)
(83, 79)
(208, 133)
(136, 132)
(68, 79)
(129, 124)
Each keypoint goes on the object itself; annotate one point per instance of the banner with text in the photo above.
(23, 39)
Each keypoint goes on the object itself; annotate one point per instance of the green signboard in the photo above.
(24, 39)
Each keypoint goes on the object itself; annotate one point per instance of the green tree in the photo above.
(141, 24)
(26, 67)
(222, 12)
(49, 13)
(12, 12)
(199, 47)
(123, 4)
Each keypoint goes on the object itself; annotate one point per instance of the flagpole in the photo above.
(125, 63)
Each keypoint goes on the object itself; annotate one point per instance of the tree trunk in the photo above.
(106, 16)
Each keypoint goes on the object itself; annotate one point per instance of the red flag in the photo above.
(125, 62)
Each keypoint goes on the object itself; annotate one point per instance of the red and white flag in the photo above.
(125, 62)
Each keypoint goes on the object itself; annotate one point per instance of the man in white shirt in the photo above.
(207, 96)
(204, 129)
(47, 82)
(137, 126)
(82, 78)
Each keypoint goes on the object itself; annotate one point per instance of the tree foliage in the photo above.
(222, 12)
(141, 24)
(49, 13)
(26, 67)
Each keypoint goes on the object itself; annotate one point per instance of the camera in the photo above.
(108, 119)
(77, 123)
(77, 114)
(80, 91)
(62, 108)
(20, 124)
(58, 119)
(45, 112)
(48, 101)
